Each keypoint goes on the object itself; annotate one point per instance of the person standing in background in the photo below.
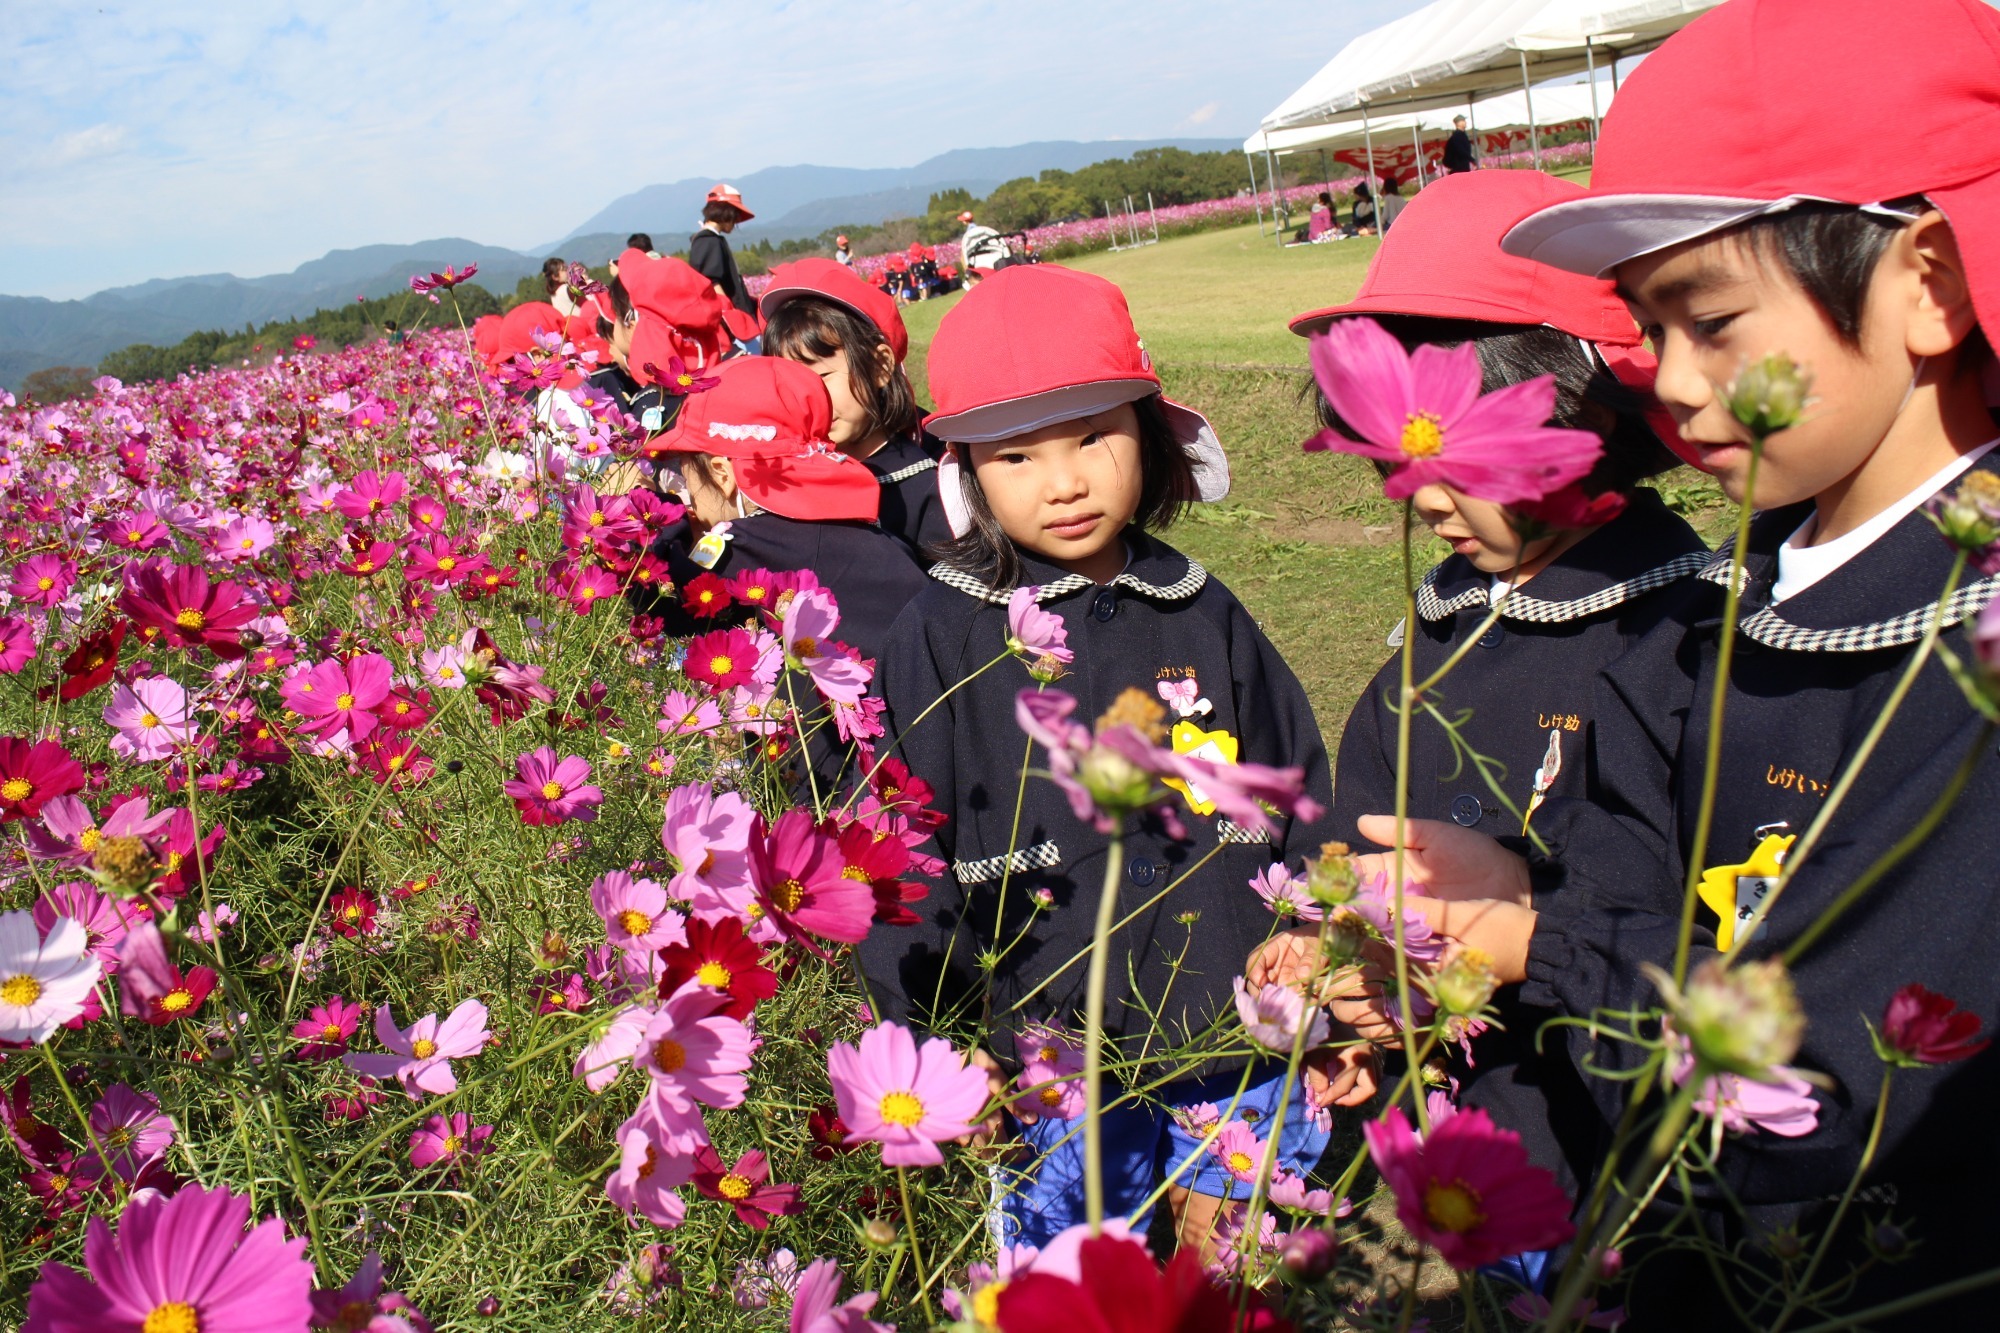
(842, 254)
(555, 285)
(1458, 148)
(980, 250)
(708, 249)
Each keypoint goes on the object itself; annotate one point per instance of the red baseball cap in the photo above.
(837, 283)
(1760, 105)
(771, 418)
(1443, 260)
(966, 216)
(680, 314)
(728, 194)
(1032, 346)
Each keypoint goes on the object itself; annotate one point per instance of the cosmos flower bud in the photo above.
(488, 1307)
(1043, 897)
(1743, 1020)
(553, 950)
(124, 865)
(1786, 1245)
(1888, 1241)
(1464, 985)
(1113, 781)
(1331, 879)
(1969, 518)
(1309, 1253)
(1769, 395)
(879, 1232)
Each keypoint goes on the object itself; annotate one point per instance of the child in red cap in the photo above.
(767, 493)
(1747, 204)
(852, 336)
(1578, 578)
(1064, 460)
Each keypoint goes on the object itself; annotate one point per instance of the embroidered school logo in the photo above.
(819, 449)
(1545, 776)
(723, 430)
(1793, 780)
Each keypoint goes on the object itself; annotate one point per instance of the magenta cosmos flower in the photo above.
(817, 1307)
(131, 1129)
(448, 1141)
(1423, 414)
(178, 1265)
(423, 1054)
(798, 870)
(635, 912)
(651, 1166)
(32, 772)
(905, 1097)
(327, 1029)
(1469, 1189)
(746, 1187)
(550, 791)
(363, 1307)
(336, 695)
(178, 602)
(1921, 1027)
(42, 580)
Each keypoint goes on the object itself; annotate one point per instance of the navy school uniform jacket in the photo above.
(870, 574)
(1811, 674)
(636, 399)
(709, 255)
(906, 466)
(1163, 621)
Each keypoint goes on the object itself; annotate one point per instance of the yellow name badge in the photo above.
(1217, 747)
(1733, 892)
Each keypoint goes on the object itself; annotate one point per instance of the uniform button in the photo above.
(1491, 638)
(1105, 604)
(1142, 871)
(1466, 810)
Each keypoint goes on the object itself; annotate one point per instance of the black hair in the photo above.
(554, 273)
(1361, 190)
(808, 328)
(719, 213)
(1166, 488)
(1587, 396)
(639, 240)
(621, 301)
(1326, 198)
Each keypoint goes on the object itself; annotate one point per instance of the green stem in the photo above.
(916, 1254)
(1804, 1287)
(1877, 1313)
(1406, 704)
(1711, 771)
(1093, 1038)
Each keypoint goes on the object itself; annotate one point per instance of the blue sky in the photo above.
(172, 138)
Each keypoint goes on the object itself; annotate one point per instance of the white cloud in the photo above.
(1201, 115)
(97, 141)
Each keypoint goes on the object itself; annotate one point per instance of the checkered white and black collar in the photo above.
(1766, 625)
(1521, 606)
(1157, 563)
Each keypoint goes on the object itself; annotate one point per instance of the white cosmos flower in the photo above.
(43, 980)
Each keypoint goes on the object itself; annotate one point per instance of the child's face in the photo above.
(1479, 530)
(1067, 491)
(851, 426)
(1711, 307)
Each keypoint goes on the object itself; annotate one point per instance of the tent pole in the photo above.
(1534, 134)
(1325, 173)
(1614, 69)
(1590, 72)
(1256, 200)
(1271, 170)
(1368, 148)
(1417, 142)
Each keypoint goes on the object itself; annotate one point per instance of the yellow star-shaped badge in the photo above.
(1733, 892)
(1218, 747)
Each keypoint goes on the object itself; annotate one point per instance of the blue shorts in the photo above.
(1143, 1146)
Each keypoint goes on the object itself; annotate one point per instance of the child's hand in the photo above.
(1501, 930)
(994, 1127)
(1450, 862)
(1341, 1076)
(1289, 958)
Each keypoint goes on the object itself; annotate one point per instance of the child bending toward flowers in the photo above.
(1845, 827)
(1064, 460)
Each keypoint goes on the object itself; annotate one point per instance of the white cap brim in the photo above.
(1595, 235)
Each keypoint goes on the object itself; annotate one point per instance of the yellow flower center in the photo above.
(17, 789)
(176, 1000)
(634, 922)
(396, 762)
(133, 535)
(45, 584)
(118, 1136)
(669, 1055)
(756, 594)
(173, 1317)
(733, 1186)
(1051, 1096)
(343, 701)
(807, 646)
(423, 1048)
(685, 381)
(901, 1108)
(88, 839)
(597, 518)
(20, 991)
(551, 791)
(721, 665)
(1452, 1206)
(1422, 436)
(331, 1032)
(452, 1143)
(149, 719)
(986, 1304)
(192, 618)
(447, 563)
(587, 592)
(652, 1162)
(447, 673)
(246, 544)
(788, 895)
(713, 974)
(854, 872)
(1240, 1163)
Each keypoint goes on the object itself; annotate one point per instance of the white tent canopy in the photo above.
(1453, 50)
(1560, 104)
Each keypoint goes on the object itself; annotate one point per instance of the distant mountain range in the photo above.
(789, 202)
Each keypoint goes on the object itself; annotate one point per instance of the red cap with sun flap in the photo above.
(837, 283)
(1752, 109)
(486, 339)
(729, 194)
(771, 417)
(1442, 260)
(680, 315)
(1035, 345)
(517, 335)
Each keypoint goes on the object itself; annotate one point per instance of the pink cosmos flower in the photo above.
(131, 1129)
(42, 580)
(338, 695)
(445, 667)
(746, 1187)
(104, 920)
(549, 791)
(1239, 1150)
(371, 493)
(423, 1054)
(178, 1263)
(817, 1307)
(905, 1097)
(17, 645)
(1034, 634)
(1469, 1190)
(1286, 894)
(151, 719)
(587, 586)
(431, 284)
(1786, 1108)
(241, 539)
(1423, 414)
(808, 626)
(45, 981)
(1290, 1191)
(363, 1307)
(1272, 1017)
(684, 715)
(708, 836)
(721, 659)
(327, 1029)
(648, 1174)
(694, 1052)
(635, 912)
(1530, 1308)
(797, 868)
(449, 1141)
(70, 834)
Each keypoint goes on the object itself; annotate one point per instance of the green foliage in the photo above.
(58, 383)
(343, 326)
(1024, 203)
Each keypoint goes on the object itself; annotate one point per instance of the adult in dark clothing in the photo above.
(1363, 217)
(708, 249)
(1458, 147)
